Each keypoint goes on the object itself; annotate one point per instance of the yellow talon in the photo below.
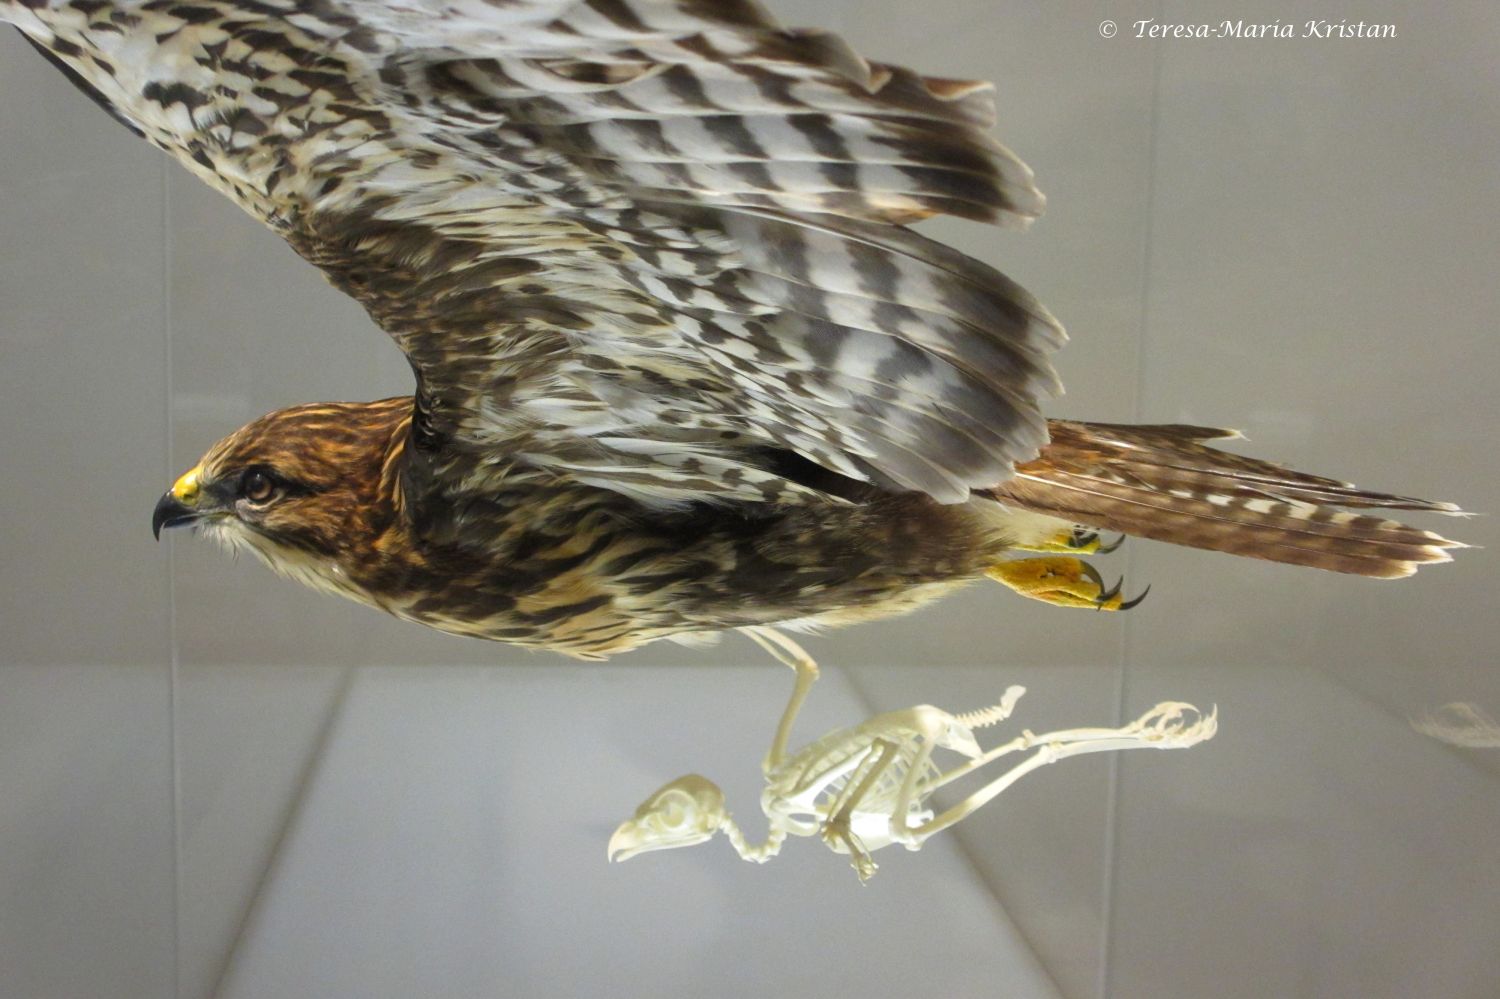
(1065, 582)
(1062, 582)
(1074, 541)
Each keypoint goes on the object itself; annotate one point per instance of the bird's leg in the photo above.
(1170, 725)
(913, 788)
(1062, 581)
(789, 653)
(917, 786)
(1074, 541)
(837, 829)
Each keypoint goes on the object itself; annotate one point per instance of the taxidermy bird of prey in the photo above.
(680, 364)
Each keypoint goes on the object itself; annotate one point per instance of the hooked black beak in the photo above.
(171, 512)
(180, 503)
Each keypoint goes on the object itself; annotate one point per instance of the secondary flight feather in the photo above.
(680, 363)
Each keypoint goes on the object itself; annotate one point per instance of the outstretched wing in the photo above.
(637, 242)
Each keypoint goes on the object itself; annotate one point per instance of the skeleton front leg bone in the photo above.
(865, 787)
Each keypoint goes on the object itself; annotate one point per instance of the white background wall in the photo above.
(212, 779)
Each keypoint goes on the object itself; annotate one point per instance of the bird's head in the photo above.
(684, 812)
(290, 483)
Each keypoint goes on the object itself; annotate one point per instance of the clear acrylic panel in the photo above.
(213, 782)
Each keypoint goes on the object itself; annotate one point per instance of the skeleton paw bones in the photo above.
(865, 787)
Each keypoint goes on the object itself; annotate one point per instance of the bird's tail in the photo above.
(1163, 482)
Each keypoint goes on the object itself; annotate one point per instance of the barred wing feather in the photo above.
(638, 241)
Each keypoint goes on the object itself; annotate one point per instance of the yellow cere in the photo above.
(185, 489)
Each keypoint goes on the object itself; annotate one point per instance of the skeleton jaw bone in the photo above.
(866, 787)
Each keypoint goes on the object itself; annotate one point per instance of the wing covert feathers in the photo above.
(642, 242)
(635, 241)
(1164, 483)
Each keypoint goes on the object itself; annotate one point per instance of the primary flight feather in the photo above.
(680, 365)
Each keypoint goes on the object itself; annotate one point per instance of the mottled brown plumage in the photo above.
(680, 365)
(545, 562)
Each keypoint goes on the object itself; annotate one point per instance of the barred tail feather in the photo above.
(1162, 482)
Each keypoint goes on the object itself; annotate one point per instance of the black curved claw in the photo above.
(1112, 546)
(1108, 595)
(1081, 537)
(1092, 574)
(1135, 602)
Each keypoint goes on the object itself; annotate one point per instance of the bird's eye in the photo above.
(257, 487)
